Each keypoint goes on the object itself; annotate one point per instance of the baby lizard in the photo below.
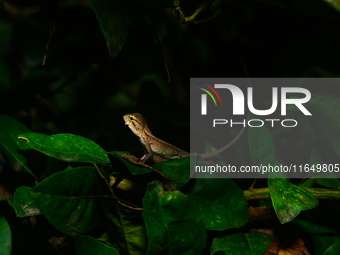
(154, 145)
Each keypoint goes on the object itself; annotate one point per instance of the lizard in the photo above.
(138, 125)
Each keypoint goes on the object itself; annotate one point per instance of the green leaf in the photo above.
(75, 216)
(178, 170)
(9, 131)
(252, 243)
(87, 245)
(5, 237)
(261, 146)
(24, 204)
(67, 147)
(221, 203)
(288, 199)
(111, 16)
(334, 4)
(333, 249)
(171, 224)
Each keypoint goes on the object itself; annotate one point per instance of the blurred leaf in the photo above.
(67, 147)
(328, 182)
(334, 3)
(2, 4)
(221, 203)
(261, 146)
(86, 245)
(112, 20)
(5, 237)
(24, 204)
(170, 221)
(333, 249)
(70, 216)
(320, 243)
(9, 131)
(155, 4)
(252, 243)
(288, 199)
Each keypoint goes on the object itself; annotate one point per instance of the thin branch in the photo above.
(51, 31)
(263, 193)
(102, 196)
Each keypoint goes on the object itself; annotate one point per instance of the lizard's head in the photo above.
(136, 123)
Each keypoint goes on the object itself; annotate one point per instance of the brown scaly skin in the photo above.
(139, 127)
(154, 145)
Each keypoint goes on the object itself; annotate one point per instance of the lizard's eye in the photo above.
(131, 118)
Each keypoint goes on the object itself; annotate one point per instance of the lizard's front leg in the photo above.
(149, 151)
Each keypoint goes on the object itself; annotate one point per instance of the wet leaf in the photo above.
(288, 199)
(66, 147)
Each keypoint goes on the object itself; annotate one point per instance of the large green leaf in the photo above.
(5, 237)
(252, 243)
(171, 224)
(221, 203)
(288, 199)
(24, 204)
(261, 146)
(9, 131)
(87, 245)
(75, 216)
(67, 147)
(112, 20)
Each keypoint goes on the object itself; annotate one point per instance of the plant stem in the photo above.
(263, 193)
